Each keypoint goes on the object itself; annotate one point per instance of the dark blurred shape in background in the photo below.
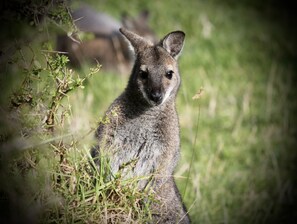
(105, 44)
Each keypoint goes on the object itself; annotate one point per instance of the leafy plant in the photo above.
(47, 167)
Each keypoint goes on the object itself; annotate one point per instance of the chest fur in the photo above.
(141, 146)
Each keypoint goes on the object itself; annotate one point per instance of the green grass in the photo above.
(237, 141)
(238, 138)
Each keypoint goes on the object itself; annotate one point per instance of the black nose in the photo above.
(156, 96)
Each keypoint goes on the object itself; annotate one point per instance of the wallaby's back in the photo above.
(143, 128)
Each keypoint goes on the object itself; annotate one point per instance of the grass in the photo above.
(237, 140)
(238, 158)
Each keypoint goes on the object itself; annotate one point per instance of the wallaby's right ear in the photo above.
(136, 41)
(173, 43)
(144, 16)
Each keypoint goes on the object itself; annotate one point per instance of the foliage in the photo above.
(50, 176)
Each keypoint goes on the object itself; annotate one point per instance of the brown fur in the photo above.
(143, 125)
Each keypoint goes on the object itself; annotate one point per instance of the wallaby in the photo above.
(108, 47)
(143, 126)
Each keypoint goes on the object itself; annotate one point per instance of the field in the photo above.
(238, 140)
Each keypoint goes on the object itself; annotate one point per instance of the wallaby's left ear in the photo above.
(173, 43)
(135, 40)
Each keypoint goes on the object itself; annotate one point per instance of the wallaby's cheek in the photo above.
(169, 86)
(167, 94)
(142, 87)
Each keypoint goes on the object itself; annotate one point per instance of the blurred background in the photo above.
(238, 135)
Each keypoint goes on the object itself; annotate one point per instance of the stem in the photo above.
(193, 150)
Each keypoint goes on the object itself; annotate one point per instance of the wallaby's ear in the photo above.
(144, 16)
(173, 43)
(127, 21)
(136, 41)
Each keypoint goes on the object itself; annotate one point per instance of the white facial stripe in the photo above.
(169, 67)
(144, 95)
(143, 67)
(167, 94)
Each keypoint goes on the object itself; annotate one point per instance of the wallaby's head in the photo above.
(155, 73)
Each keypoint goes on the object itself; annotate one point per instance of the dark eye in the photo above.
(169, 74)
(143, 74)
